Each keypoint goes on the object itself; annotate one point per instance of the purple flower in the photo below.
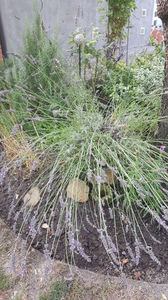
(14, 129)
(23, 259)
(11, 209)
(99, 179)
(18, 164)
(4, 92)
(89, 174)
(89, 222)
(3, 100)
(35, 119)
(58, 231)
(102, 164)
(3, 173)
(111, 213)
(47, 253)
(57, 63)
(123, 182)
(13, 263)
(34, 164)
(53, 73)
(56, 112)
(32, 229)
(130, 252)
(10, 110)
(19, 87)
(162, 148)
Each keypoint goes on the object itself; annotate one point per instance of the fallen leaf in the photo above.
(137, 153)
(32, 197)
(45, 226)
(78, 190)
(16, 196)
(111, 177)
(137, 275)
(124, 261)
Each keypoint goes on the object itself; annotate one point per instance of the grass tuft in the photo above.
(58, 291)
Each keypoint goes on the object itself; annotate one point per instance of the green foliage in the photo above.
(118, 13)
(136, 89)
(91, 54)
(40, 82)
(158, 47)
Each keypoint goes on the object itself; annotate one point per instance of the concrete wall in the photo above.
(61, 15)
(138, 22)
(65, 16)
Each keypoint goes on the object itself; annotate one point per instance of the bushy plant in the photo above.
(136, 88)
(135, 81)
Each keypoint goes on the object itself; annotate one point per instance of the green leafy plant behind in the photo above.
(91, 54)
(117, 13)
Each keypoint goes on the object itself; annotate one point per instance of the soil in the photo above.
(82, 284)
(147, 269)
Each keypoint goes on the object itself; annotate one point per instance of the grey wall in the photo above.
(61, 15)
(66, 15)
(137, 41)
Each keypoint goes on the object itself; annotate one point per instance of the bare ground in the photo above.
(83, 284)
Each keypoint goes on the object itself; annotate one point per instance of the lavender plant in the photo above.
(85, 149)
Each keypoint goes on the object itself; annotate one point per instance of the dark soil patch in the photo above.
(89, 237)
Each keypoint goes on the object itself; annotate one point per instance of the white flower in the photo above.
(79, 39)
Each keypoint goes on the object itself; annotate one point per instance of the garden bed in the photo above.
(146, 269)
(61, 146)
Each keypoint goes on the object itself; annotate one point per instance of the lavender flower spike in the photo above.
(14, 129)
(10, 110)
(4, 92)
(35, 119)
(56, 112)
(162, 148)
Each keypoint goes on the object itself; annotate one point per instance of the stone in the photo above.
(78, 190)
(32, 197)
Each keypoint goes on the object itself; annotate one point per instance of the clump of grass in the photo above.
(5, 283)
(58, 291)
